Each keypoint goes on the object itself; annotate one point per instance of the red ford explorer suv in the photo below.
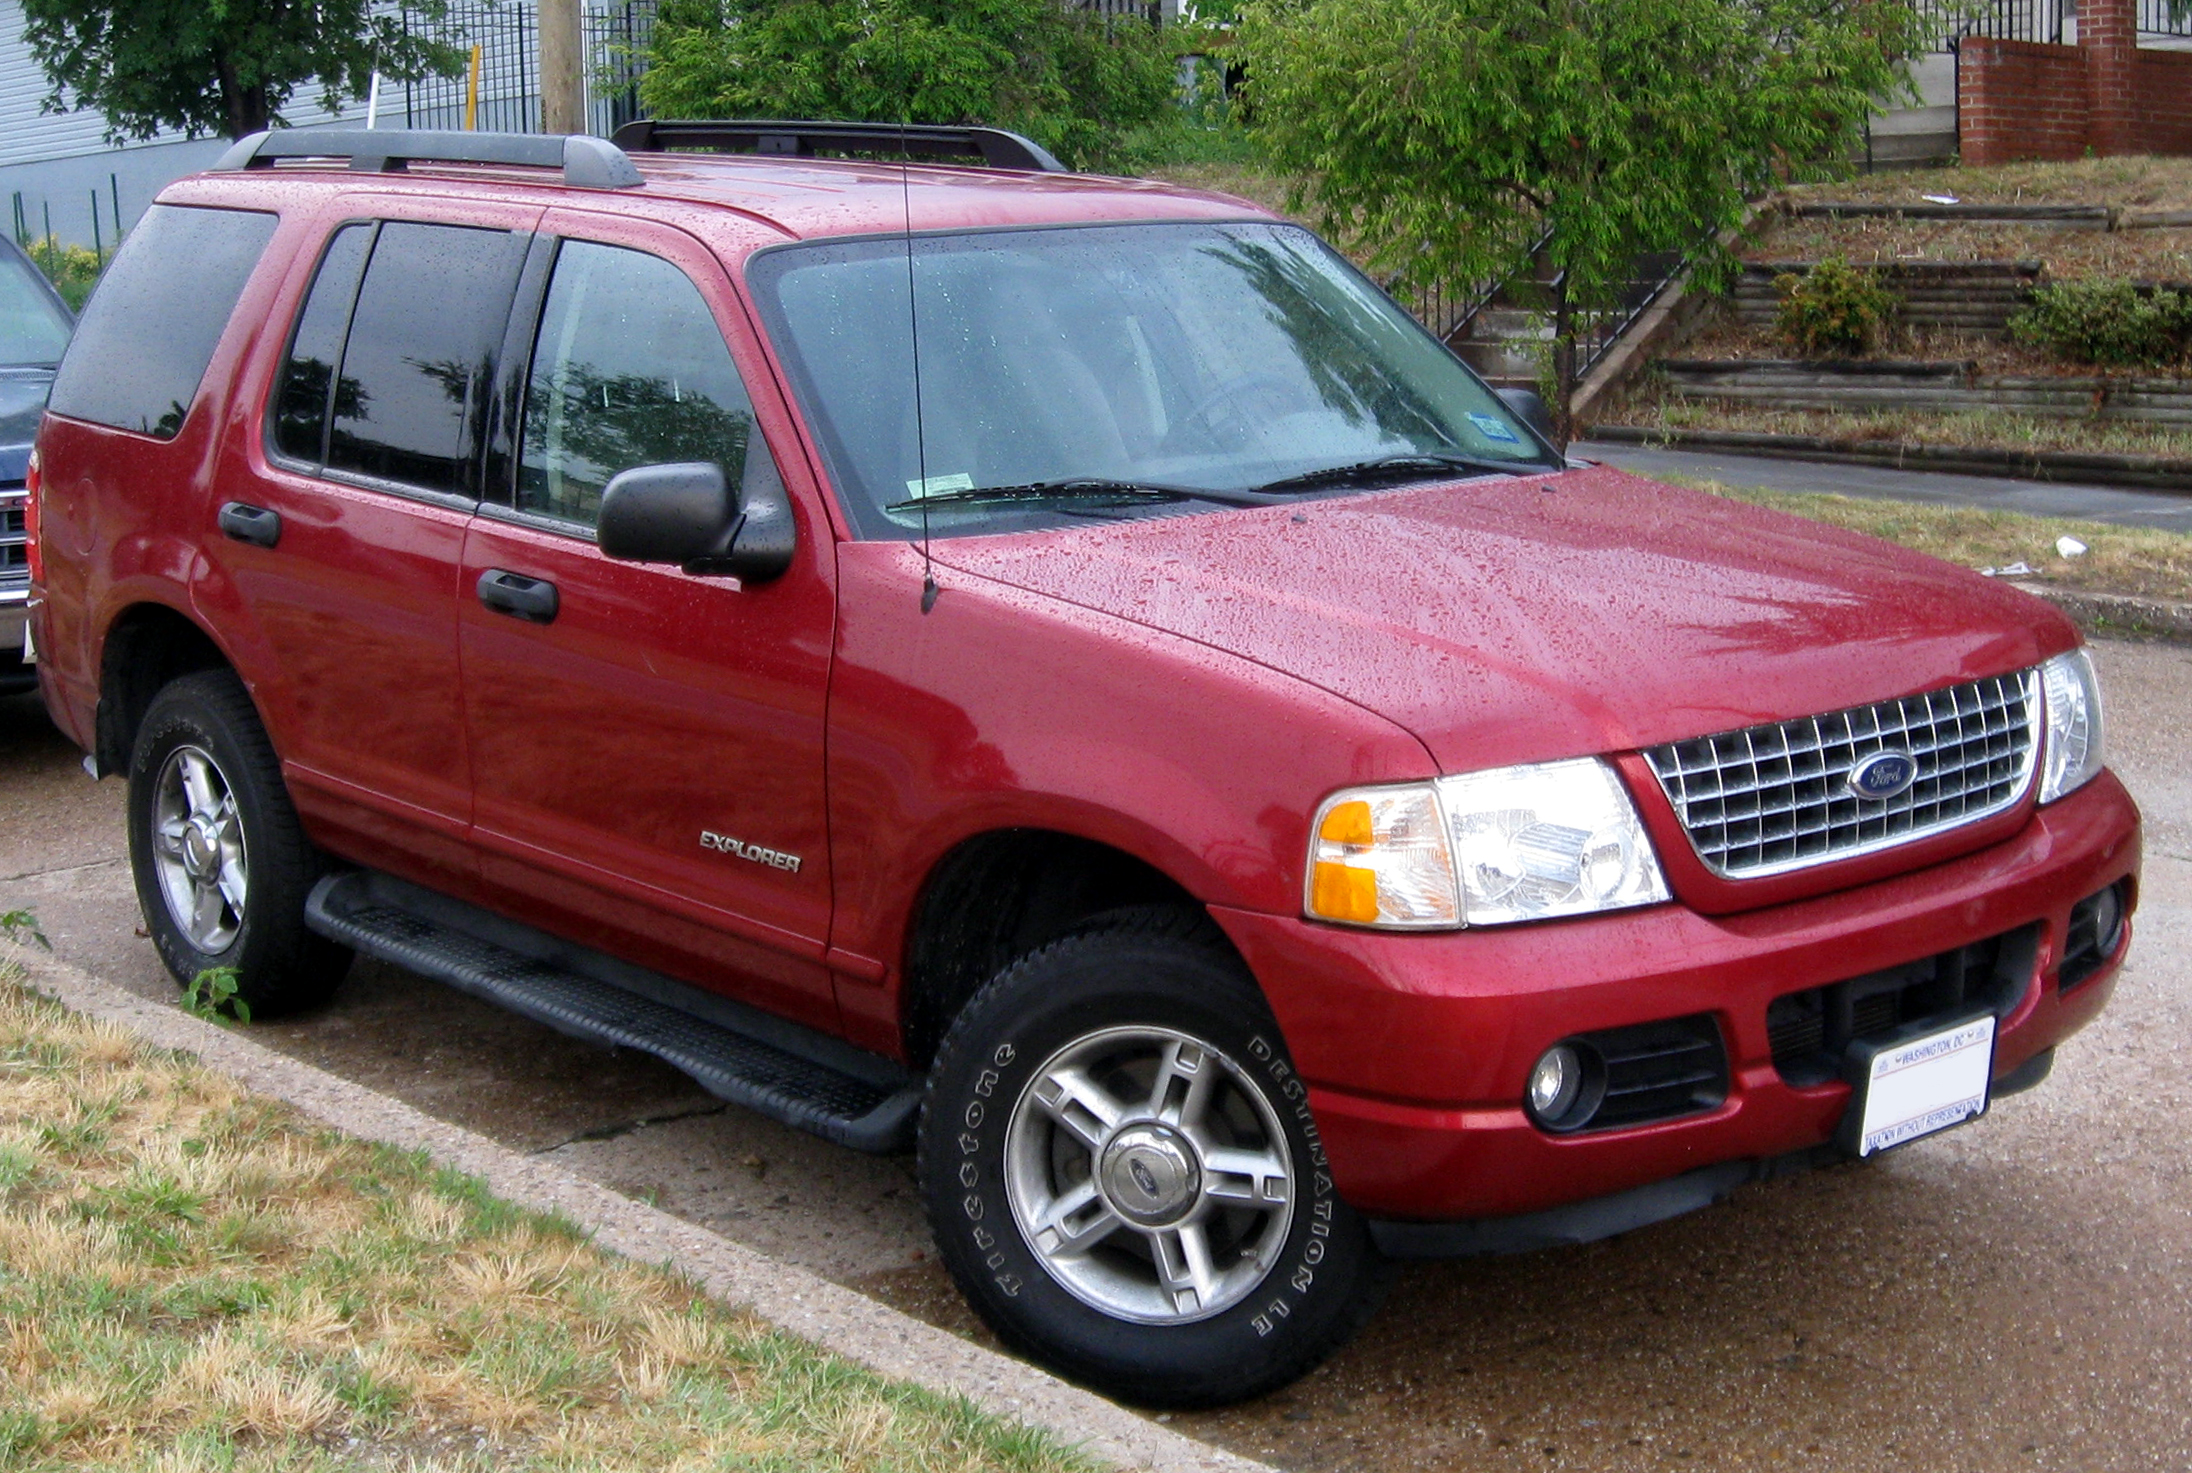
(1056, 671)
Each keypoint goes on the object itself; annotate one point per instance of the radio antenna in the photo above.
(913, 324)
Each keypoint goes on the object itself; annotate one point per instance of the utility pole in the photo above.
(562, 86)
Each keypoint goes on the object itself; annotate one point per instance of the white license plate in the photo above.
(1928, 1084)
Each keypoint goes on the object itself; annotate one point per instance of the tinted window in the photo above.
(300, 401)
(33, 327)
(420, 355)
(629, 369)
(150, 328)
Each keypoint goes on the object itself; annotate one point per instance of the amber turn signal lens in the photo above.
(1340, 892)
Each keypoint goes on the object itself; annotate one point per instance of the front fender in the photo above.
(1002, 709)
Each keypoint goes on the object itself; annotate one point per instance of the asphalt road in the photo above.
(2013, 1295)
(2161, 510)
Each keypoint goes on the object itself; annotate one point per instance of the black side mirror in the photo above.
(685, 514)
(1530, 405)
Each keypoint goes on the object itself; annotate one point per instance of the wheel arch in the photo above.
(995, 896)
(146, 646)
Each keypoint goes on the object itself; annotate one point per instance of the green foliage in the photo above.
(73, 270)
(212, 995)
(1072, 80)
(2107, 321)
(1834, 310)
(22, 925)
(225, 66)
(1447, 136)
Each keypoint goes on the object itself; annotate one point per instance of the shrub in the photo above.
(72, 269)
(2108, 321)
(1834, 310)
(1075, 81)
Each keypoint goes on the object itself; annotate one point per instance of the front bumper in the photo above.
(1416, 1047)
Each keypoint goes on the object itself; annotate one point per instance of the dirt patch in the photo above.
(2149, 183)
(2145, 255)
(1724, 338)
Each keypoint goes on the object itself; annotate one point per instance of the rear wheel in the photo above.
(221, 862)
(1124, 1178)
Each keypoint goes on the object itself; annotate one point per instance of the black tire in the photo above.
(1162, 972)
(279, 965)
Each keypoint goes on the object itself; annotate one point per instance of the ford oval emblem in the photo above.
(1882, 775)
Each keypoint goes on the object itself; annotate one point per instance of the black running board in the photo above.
(776, 1068)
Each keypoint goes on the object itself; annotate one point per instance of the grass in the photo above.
(191, 1277)
(1990, 429)
(2133, 560)
(2142, 181)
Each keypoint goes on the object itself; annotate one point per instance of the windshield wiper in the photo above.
(1074, 488)
(1415, 465)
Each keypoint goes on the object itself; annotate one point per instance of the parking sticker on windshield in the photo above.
(1493, 429)
(938, 485)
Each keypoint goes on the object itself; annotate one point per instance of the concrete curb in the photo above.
(2120, 613)
(2132, 472)
(802, 1303)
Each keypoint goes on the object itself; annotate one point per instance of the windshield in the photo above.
(33, 328)
(1178, 357)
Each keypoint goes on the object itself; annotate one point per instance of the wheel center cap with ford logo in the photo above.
(1150, 1175)
(1882, 775)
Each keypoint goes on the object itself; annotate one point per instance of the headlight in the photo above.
(1558, 839)
(2073, 755)
(1514, 844)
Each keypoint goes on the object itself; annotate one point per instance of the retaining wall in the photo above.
(2030, 100)
(1935, 386)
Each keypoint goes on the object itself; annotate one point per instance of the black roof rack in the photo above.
(996, 148)
(587, 163)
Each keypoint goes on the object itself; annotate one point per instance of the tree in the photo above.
(1450, 137)
(1070, 79)
(225, 66)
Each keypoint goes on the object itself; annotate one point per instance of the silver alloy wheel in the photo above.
(1149, 1174)
(198, 849)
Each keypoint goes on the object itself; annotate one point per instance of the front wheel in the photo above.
(1123, 1176)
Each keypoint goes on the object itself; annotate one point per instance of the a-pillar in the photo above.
(2108, 32)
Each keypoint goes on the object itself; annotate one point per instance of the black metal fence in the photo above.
(2038, 20)
(504, 95)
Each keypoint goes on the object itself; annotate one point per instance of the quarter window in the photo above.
(150, 329)
(628, 369)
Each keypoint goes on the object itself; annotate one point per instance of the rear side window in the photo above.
(149, 330)
(393, 355)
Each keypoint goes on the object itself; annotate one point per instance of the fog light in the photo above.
(1555, 1083)
(2108, 918)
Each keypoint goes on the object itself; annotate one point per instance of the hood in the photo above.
(22, 400)
(1527, 619)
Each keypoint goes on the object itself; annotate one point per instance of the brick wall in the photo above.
(2021, 100)
(2165, 102)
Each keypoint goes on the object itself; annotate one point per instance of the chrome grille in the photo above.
(14, 551)
(1773, 798)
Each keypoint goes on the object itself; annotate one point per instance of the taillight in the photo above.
(30, 521)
